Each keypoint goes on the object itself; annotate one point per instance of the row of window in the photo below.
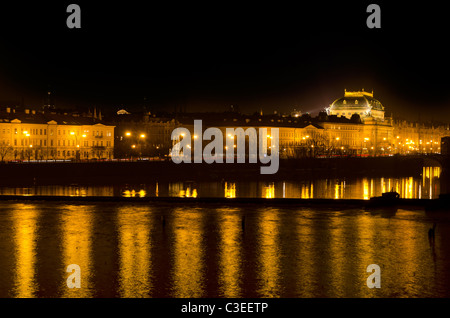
(43, 142)
(43, 131)
(84, 154)
(349, 114)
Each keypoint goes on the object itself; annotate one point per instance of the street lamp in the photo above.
(77, 151)
(142, 137)
(26, 134)
(337, 141)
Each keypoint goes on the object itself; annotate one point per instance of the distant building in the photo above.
(359, 102)
(44, 135)
(142, 134)
(354, 125)
(445, 146)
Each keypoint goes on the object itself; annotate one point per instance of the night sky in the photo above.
(207, 56)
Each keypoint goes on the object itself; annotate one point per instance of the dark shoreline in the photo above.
(210, 200)
(374, 205)
(113, 172)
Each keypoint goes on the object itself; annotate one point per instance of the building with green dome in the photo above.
(359, 102)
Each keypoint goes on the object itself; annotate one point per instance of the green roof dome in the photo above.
(357, 101)
(360, 102)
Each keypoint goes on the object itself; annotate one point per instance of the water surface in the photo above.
(141, 250)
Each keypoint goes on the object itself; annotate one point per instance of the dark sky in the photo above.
(207, 56)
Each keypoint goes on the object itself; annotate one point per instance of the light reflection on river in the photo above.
(426, 186)
(161, 250)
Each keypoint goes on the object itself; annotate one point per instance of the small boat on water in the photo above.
(387, 200)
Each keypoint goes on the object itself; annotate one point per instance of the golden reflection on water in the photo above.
(365, 250)
(230, 190)
(134, 228)
(25, 236)
(76, 246)
(268, 256)
(337, 256)
(230, 251)
(280, 253)
(305, 265)
(366, 195)
(188, 258)
(430, 182)
(339, 188)
(269, 191)
(425, 186)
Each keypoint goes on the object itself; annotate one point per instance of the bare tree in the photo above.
(5, 150)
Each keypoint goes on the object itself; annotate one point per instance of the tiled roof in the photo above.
(44, 118)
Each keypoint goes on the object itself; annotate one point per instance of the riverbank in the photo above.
(441, 204)
(110, 172)
(209, 200)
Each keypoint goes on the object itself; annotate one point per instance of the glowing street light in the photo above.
(128, 134)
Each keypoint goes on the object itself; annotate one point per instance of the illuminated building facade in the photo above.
(32, 135)
(413, 138)
(142, 134)
(353, 125)
(361, 103)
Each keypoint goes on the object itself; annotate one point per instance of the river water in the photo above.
(177, 250)
(426, 186)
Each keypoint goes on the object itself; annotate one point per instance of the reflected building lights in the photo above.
(366, 254)
(134, 252)
(25, 237)
(306, 265)
(307, 191)
(188, 263)
(230, 190)
(338, 255)
(269, 191)
(230, 251)
(425, 186)
(366, 189)
(76, 229)
(269, 254)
